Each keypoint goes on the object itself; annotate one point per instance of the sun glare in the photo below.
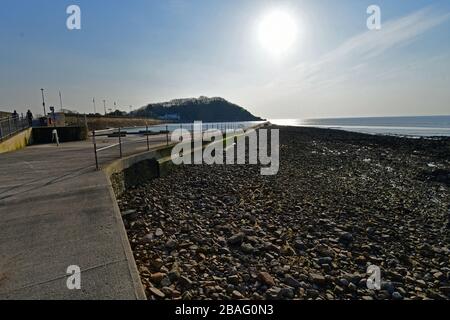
(277, 32)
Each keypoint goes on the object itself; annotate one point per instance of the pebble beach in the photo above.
(341, 202)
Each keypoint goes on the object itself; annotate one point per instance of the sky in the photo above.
(141, 51)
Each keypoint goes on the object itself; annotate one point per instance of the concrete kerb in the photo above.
(118, 167)
(136, 279)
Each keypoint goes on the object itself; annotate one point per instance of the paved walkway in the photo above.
(57, 211)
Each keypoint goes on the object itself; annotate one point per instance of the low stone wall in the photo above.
(42, 135)
(137, 169)
(138, 173)
(17, 142)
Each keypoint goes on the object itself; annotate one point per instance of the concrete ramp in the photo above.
(57, 211)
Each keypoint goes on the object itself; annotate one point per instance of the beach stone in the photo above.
(361, 260)
(266, 278)
(157, 293)
(171, 244)
(421, 283)
(185, 282)
(445, 289)
(287, 250)
(269, 246)
(165, 282)
(318, 278)
(346, 237)
(148, 237)
(236, 239)
(325, 260)
(159, 232)
(187, 295)
(397, 296)
(156, 263)
(344, 282)
(439, 276)
(157, 277)
(352, 287)
(174, 274)
(247, 248)
(128, 212)
(312, 293)
(338, 289)
(273, 293)
(233, 279)
(237, 295)
(286, 293)
(167, 291)
(290, 281)
(299, 245)
(257, 296)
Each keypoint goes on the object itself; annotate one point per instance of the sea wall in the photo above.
(137, 169)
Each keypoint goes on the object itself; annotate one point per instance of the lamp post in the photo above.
(43, 102)
(60, 101)
(95, 109)
(104, 106)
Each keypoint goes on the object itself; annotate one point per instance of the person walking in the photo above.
(15, 117)
(30, 118)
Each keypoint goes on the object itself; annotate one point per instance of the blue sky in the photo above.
(142, 51)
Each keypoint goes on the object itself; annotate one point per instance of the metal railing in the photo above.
(115, 138)
(10, 126)
(115, 142)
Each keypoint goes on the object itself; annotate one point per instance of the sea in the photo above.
(417, 126)
(189, 126)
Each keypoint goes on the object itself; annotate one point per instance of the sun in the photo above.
(277, 32)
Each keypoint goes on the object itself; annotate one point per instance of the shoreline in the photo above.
(407, 126)
(400, 135)
(341, 201)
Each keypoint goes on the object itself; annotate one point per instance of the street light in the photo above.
(43, 102)
(60, 101)
(104, 106)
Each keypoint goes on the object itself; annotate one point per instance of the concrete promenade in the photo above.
(56, 210)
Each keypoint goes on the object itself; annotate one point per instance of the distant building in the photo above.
(59, 120)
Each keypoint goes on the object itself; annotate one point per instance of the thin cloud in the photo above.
(340, 64)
